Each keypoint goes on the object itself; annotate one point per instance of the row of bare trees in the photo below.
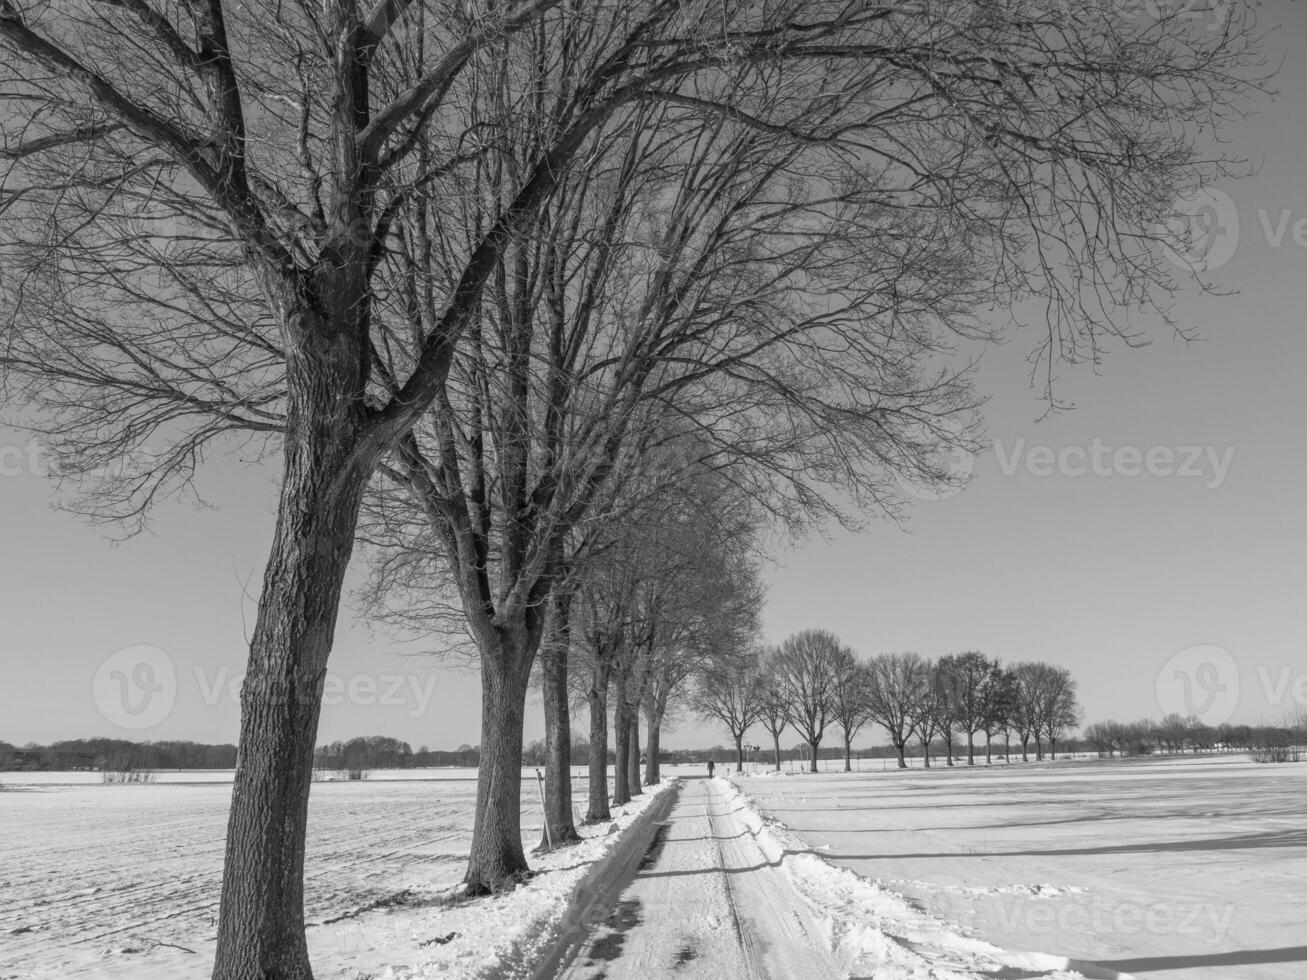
(812, 682)
(676, 587)
(487, 275)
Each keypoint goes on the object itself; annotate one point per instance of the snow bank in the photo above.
(879, 932)
(432, 935)
(100, 881)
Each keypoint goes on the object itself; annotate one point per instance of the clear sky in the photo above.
(1061, 556)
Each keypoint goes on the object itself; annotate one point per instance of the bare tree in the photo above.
(851, 701)
(1047, 704)
(998, 707)
(1295, 720)
(898, 683)
(930, 711)
(291, 152)
(626, 719)
(663, 588)
(243, 152)
(970, 671)
(808, 667)
(943, 701)
(774, 711)
(560, 828)
(580, 358)
(728, 692)
(604, 602)
(1033, 685)
(703, 594)
(1059, 707)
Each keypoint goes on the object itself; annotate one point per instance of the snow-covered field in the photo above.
(123, 881)
(1185, 869)
(1181, 869)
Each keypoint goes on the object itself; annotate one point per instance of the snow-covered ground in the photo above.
(1174, 869)
(119, 881)
(1185, 869)
(721, 892)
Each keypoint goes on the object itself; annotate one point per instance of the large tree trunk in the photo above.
(633, 749)
(903, 763)
(598, 700)
(1039, 748)
(621, 739)
(814, 746)
(654, 722)
(948, 747)
(559, 824)
(326, 468)
(925, 752)
(739, 752)
(848, 754)
(497, 857)
(971, 748)
(776, 747)
(989, 745)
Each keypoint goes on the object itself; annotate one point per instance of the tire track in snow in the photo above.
(719, 896)
(707, 905)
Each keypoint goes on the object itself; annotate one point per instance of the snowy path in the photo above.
(706, 902)
(707, 888)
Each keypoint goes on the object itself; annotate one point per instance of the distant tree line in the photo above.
(115, 755)
(1176, 734)
(814, 684)
(364, 752)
